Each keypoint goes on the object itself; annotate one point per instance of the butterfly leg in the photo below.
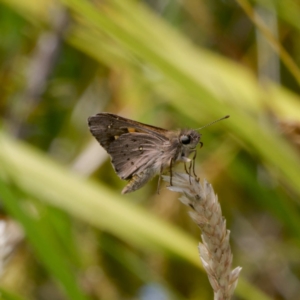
(193, 160)
(185, 168)
(190, 171)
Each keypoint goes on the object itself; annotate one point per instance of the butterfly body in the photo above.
(139, 151)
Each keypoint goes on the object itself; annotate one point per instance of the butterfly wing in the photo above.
(133, 146)
(106, 127)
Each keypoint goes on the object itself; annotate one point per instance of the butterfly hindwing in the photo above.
(132, 153)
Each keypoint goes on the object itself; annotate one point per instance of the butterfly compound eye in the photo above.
(185, 139)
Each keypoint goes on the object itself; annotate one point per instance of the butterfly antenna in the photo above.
(226, 117)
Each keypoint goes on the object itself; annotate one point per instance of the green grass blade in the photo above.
(42, 239)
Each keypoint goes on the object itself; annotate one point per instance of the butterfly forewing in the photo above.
(105, 127)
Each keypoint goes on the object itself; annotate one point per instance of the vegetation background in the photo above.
(168, 63)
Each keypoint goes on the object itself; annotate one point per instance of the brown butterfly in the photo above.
(139, 151)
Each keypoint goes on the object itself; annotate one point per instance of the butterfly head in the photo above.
(189, 139)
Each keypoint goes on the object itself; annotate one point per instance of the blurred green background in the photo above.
(173, 64)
